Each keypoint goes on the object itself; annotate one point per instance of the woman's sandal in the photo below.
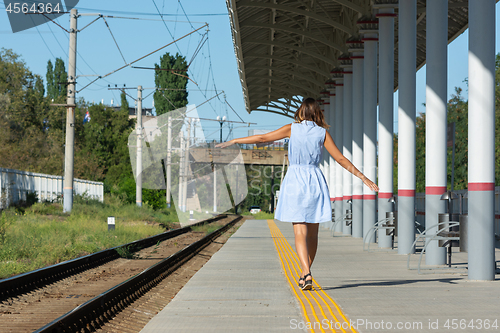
(307, 283)
(301, 282)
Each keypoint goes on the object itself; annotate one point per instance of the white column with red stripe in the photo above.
(481, 172)
(337, 76)
(435, 123)
(386, 17)
(407, 51)
(356, 49)
(330, 86)
(325, 97)
(369, 29)
(346, 63)
(322, 161)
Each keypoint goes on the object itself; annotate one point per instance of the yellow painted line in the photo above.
(284, 262)
(297, 268)
(296, 259)
(337, 321)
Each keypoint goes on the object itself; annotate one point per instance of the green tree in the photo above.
(50, 79)
(173, 75)
(458, 113)
(56, 78)
(124, 103)
(420, 153)
(106, 137)
(23, 144)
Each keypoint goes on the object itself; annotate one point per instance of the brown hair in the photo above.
(310, 110)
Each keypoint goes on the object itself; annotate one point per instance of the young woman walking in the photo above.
(304, 197)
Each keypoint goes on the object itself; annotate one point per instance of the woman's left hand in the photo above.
(224, 144)
(370, 184)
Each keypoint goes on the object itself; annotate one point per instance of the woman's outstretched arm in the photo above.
(279, 134)
(345, 163)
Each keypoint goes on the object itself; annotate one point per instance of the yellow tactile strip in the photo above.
(320, 311)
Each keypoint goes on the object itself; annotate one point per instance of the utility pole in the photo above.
(138, 183)
(186, 166)
(70, 117)
(215, 188)
(169, 160)
(181, 174)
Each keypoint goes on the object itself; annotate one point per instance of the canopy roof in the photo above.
(286, 49)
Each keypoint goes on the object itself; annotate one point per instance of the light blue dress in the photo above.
(304, 195)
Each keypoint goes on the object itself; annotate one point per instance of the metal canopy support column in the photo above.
(481, 249)
(386, 109)
(370, 130)
(339, 136)
(357, 137)
(347, 141)
(325, 155)
(326, 114)
(332, 163)
(322, 162)
(406, 120)
(435, 123)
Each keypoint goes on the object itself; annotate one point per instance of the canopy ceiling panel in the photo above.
(285, 49)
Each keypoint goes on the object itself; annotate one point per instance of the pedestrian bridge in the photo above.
(250, 156)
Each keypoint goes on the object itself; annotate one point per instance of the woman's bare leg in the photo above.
(306, 244)
(312, 241)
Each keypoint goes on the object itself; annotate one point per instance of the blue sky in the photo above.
(98, 54)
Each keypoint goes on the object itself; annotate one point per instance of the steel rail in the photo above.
(92, 314)
(38, 278)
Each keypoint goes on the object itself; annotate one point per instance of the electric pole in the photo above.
(70, 117)
(138, 182)
(169, 160)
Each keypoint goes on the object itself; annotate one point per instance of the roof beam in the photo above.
(291, 61)
(276, 97)
(315, 16)
(266, 77)
(287, 71)
(329, 61)
(351, 5)
(285, 106)
(278, 93)
(277, 112)
(298, 32)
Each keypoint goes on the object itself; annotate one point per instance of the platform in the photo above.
(249, 286)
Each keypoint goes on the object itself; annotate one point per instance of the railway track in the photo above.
(84, 297)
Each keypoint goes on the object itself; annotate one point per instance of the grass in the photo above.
(260, 215)
(43, 235)
(206, 228)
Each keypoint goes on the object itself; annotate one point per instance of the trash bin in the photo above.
(392, 222)
(348, 219)
(445, 217)
(464, 220)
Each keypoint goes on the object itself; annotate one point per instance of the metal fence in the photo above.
(15, 186)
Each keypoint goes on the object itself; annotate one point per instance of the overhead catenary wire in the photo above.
(204, 41)
(161, 16)
(130, 63)
(107, 25)
(80, 30)
(179, 1)
(66, 54)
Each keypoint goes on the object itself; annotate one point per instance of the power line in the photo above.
(131, 13)
(107, 25)
(179, 1)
